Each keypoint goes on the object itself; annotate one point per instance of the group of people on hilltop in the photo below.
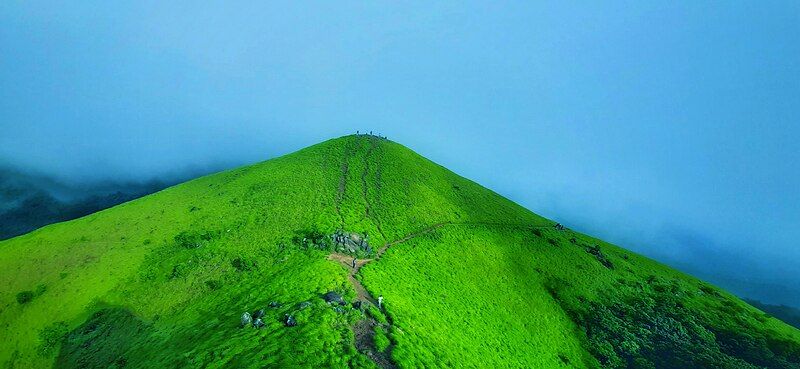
(358, 133)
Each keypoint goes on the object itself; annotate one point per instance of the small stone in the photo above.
(333, 297)
(289, 321)
(258, 323)
(258, 314)
(246, 319)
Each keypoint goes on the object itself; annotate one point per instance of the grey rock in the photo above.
(258, 314)
(304, 305)
(246, 319)
(332, 297)
(258, 323)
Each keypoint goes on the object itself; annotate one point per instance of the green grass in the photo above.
(162, 281)
(381, 339)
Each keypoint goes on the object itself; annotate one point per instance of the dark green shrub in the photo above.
(25, 297)
(213, 284)
(310, 238)
(243, 264)
(654, 329)
(193, 240)
(178, 271)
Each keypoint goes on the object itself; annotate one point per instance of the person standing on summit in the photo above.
(354, 262)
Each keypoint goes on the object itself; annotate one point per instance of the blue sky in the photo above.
(671, 129)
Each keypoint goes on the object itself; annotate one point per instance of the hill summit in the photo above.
(356, 253)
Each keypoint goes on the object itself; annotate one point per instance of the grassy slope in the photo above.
(480, 291)
(788, 314)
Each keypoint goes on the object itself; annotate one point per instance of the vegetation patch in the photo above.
(103, 341)
(25, 297)
(654, 328)
(51, 337)
(193, 240)
(213, 284)
(381, 339)
(244, 264)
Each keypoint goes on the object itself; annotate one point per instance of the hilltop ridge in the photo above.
(468, 279)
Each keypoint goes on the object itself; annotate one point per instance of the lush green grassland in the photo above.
(162, 281)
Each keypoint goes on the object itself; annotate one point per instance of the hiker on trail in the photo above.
(354, 263)
(380, 302)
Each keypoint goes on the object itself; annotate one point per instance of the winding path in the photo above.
(364, 330)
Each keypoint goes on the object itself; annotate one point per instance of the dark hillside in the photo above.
(29, 202)
(788, 314)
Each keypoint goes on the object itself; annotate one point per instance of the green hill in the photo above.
(468, 279)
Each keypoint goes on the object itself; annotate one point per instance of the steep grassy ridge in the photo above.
(162, 281)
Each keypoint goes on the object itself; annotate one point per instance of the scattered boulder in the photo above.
(333, 298)
(246, 319)
(595, 250)
(289, 321)
(274, 304)
(351, 242)
(304, 305)
(359, 305)
(258, 323)
(258, 314)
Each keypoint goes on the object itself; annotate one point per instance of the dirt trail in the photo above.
(365, 330)
(385, 247)
(365, 342)
(347, 260)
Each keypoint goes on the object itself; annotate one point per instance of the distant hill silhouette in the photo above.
(788, 314)
(28, 201)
